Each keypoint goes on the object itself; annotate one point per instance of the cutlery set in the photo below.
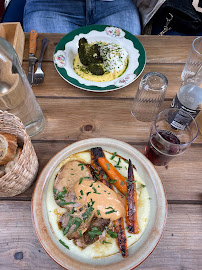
(37, 77)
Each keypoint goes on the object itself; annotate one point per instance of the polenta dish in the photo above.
(100, 61)
(97, 204)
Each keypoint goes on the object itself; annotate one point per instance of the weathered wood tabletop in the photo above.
(73, 114)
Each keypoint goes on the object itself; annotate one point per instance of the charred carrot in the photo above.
(121, 236)
(118, 224)
(131, 207)
(118, 180)
(98, 172)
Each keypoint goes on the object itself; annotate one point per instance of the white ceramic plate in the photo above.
(67, 49)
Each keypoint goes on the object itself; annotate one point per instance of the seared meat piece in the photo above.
(67, 176)
(76, 221)
(86, 240)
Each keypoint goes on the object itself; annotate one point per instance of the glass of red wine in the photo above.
(171, 134)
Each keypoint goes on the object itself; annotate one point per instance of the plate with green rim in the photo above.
(67, 48)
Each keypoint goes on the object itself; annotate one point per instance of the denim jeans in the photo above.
(63, 16)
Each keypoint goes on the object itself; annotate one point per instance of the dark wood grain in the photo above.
(179, 248)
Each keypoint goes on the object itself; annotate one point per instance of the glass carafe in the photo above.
(16, 95)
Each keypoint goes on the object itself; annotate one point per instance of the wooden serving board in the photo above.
(14, 34)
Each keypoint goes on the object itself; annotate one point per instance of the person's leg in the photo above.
(42, 22)
(120, 13)
(53, 16)
(130, 23)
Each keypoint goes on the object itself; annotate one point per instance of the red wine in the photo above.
(158, 151)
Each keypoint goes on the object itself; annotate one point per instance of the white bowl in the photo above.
(140, 250)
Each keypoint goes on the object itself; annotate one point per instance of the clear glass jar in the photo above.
(16, 95)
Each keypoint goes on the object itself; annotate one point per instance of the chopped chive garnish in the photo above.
(80, 180)
(88, 193)
(126, 161)
(77, 222)
(109, 207)
(122, 183)
(86, 177)
(113, 156)
(119, 161)
(130, 182)
(105, 242)
(55, 191)
(112, 181)
(126, 194)
(71, 212)
(82, 166)
(61, 203)
(81, 191)
(98, 212)
(80, 232)
(110, 212)
(95, 191)
(143, 185)
(117, 166)
(104, 176)
(112, 234)
(61, 242)
(108, 166)
(68, 225)
(70, 203)
(94, 231)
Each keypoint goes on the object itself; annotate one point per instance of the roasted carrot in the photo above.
(118, 224)
(98, 172)
(121, 236)
(111, 171)
(131, 206)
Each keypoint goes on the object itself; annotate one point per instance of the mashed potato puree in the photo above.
(115, 63)
(98, 249)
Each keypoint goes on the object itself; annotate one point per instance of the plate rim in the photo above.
(96, 28)
(34, 204)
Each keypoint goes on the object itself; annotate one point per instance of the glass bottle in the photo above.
(189, 96)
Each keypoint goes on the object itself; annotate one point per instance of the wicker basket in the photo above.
(23, 173)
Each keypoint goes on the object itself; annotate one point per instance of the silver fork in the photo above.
(39, 74)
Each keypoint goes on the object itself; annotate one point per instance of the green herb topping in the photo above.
(61, 242)
(94, 231)
(113, 156)
(112, 234)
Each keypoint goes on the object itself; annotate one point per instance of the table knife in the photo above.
(32, 58)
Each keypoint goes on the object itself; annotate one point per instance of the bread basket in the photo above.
(22, 174)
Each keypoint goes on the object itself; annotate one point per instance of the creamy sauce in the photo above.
(98, 249)
(106, 205)
(115, 63)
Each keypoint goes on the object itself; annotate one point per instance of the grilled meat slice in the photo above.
(86, 240)
(67, 176)
(74, 222)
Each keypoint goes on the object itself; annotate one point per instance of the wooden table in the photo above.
(73, 114)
